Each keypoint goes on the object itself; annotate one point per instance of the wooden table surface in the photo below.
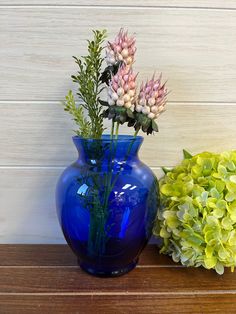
(46, 279)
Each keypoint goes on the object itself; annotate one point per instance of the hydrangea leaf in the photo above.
(227, 223)
(186, 154)
(230, 196)
(223, 254)
(219, 268)
(219, 212)
(210, 262)
(214, 193)
(233, 178)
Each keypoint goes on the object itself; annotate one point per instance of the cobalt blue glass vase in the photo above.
(107, 203)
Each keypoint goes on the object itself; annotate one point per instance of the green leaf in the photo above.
(103, 103)
(154, 126)
(233, 178)
(214, 193)
(227, 223)
(218, 212)
(230, 196)
(167, 189)
(219, 268)
(223, 253)
(186, 154)
(130, 113)
(210, 262)
(165, 170)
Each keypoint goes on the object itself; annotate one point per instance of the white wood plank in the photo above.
(27, 210)
(39, 133)
(195, 49)
(153, 3)
(27, 207)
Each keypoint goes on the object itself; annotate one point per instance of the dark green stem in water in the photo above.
(126, 157)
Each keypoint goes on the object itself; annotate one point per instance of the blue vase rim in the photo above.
(106, 138)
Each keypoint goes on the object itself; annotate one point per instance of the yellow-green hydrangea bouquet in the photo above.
(197, 221)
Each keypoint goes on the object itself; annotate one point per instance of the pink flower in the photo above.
(122, 49)
(152, 98)
(122, 88)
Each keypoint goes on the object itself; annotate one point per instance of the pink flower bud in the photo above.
(120, 102)
(126, 87)
(125, 53)
(111, 60)
(120, 91)
(115, 86)
(145, 110)
(116, 78)
(131, 92)
(155, 87)
(154, 109)
(151, 101)
(142, 102)
(129, 60)
(138, 108)
(124, 44)
(128, 104)
(151, 115)
(118, 48)
(120, 57)
(132, 85)
(126, 98)
(141, 95)
(126, 78)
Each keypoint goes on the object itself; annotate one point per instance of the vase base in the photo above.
(112, 273)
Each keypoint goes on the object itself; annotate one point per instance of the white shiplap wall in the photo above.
(192, 42)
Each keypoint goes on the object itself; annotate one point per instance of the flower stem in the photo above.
(112, 129)
(117, 130)
(136, 132)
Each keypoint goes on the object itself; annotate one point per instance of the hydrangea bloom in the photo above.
(198, 220)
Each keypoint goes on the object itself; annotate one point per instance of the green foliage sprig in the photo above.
(89, 82)
(197, 221)
(78, 116)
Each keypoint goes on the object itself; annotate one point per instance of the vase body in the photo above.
(107, 203)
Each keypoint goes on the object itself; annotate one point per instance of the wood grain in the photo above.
(195, 50)
(228, 4)
(39, 134)
(34, 255)
(151, 304)
(142, 279)
(55, 284)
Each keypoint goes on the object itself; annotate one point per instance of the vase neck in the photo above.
(94, 151)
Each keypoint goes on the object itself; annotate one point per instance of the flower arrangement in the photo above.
(108, 165)
(124, 103)
(197, 222)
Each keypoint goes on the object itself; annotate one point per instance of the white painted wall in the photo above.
(192, 42)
